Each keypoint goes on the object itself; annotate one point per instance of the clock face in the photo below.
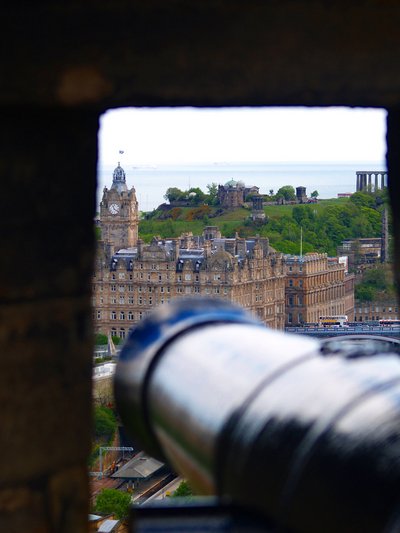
(114, 209)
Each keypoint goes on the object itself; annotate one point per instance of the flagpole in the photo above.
(301, 241)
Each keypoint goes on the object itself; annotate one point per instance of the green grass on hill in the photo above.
(323, 225)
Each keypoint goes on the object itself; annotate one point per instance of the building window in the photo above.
(121, 300)
(113, 300)
(121, 275)
(290, 283)
(113, 288)
(98, 315)
(113, 315)
(179, 277)
(217, 277)
(121, 288)
(130, 315)
(122, 333)
(130, 288)
(122, 315)
(290, 300)
(216, 290)
(159, 277)
(188, 277)
(112, 276)
(290, 318)
(131, 300)
(197, 277)
(161, 289)
(140, 300)
(140, 315)
(197, 289)
(179, 289)
(300, 282)
(150, 300)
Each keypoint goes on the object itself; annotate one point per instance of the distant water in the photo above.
(151, 182)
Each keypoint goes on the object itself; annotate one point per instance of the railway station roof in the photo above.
(140, 467)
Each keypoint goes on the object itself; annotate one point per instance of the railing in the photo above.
(388, 331)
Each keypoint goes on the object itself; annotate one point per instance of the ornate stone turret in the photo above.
(119, 214)
(119, 179)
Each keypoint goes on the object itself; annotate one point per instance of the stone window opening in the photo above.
(325, 92)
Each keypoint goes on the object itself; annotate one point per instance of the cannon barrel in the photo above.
(264, 419)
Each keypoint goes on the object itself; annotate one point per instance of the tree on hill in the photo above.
(173, 194)
(363, 199)
(286, 192)
(212, 189)
(196, 196)
(376, 282)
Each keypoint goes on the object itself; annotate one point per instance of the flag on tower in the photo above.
(121, 151)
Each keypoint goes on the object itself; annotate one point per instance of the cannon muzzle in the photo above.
(264, 418)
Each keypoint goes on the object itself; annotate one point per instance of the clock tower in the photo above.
(119, 214)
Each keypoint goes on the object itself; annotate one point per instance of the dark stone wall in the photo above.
(208, 52)
(62, 65)
(48, 166)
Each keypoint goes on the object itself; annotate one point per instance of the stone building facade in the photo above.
(384, 309)
(131, 282)
(233, 194)
(361, 252)
(315, 286)
(131, 278)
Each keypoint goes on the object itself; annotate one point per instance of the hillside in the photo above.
(323, 225)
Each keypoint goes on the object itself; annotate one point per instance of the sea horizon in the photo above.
(151, 181)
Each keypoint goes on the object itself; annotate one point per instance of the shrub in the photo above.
(100, 339)
(105, 423)
(183, 491)
(113, 501)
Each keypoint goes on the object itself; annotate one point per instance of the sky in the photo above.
(196, 135)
